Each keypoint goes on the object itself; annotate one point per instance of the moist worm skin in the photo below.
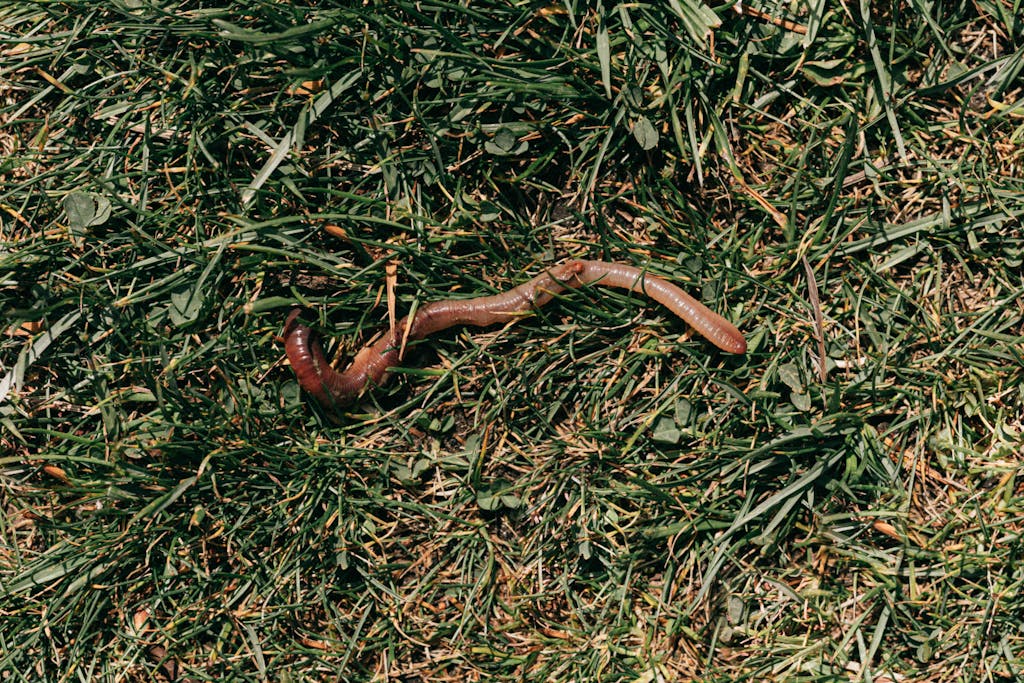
(339, 389)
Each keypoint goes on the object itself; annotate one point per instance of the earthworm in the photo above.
(370, 366)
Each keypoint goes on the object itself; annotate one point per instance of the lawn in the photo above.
(592, 492)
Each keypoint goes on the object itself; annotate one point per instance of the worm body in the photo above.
(338, 389)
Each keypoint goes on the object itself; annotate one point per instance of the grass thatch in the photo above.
(590, 494)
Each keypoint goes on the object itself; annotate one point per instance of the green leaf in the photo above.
(645, 133)
(800, 400)
(511, 501)
(826, 72)
(505, 143)
(789, 373)
(488, 501)
(31, 353)
(185, 307)
(666, 431)
(697, 17)
(497, 496)
(86, 210)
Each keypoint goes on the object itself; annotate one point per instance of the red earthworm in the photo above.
(370, 366)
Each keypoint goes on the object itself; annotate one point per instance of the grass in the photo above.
(589, 494)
